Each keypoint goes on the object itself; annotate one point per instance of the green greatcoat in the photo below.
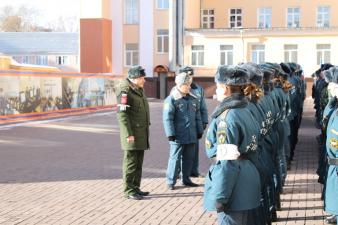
(134, 121)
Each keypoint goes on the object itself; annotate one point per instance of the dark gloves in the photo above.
(204, 126)
(219, 207)
(199, 136)
(171, 138)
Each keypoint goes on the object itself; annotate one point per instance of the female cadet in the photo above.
(331, 112)
(254, 92)
(331, 197)
(232, 185)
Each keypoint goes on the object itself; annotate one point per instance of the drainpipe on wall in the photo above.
(172, 35)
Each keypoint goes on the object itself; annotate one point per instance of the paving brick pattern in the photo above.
(69, 172)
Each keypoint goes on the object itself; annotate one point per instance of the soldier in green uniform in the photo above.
(133, 117)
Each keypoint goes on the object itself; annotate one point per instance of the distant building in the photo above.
(42, 48)
(213, 32)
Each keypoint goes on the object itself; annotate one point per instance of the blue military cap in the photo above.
(267, 73)
(277, 70)
(255, 73)
(183, 78)
(331, 75)
(187, 69)
(230, 75)
(325, 66)
(136, 72)
(288, 68)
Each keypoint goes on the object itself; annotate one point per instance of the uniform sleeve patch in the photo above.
(207, 144)
(221, 137)
(334, 143)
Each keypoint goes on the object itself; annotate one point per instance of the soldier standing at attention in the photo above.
(199, 93)
(183, 127)
(133, 117)
(232, 186)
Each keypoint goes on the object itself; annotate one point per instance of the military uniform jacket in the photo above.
(134, 120)
(331, 195)
(232, 180)
(199, 93)
(182, 117)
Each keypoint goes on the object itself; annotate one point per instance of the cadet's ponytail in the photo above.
(287, 86)
(253, 91)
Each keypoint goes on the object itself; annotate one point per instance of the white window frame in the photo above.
(162, 4)
(259, 51)
(321, 21)
(42, 59)
(323, 50)
(210, 18)
(227, 51)
(62, 60)
(198, 54)
(131, 53)
(291, 53)
(236, 18)
(131, 11)
(293, 15)
(162, 38)
(265, 14)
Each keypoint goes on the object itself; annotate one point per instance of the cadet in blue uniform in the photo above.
(331, 197)
(199, 93)
(183, 126)
(232, 186)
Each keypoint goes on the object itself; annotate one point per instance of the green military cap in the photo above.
(136, 72)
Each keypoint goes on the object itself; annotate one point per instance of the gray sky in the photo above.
(49, 10)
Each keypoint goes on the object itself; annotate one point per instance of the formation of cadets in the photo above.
(325, 93)
(251, 137)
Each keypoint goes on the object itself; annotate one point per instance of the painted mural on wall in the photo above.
(30, 94)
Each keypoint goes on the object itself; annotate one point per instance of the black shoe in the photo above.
(143, 193)
(171, 187)
(197, 175)
(331, 219)
(135, 197)
(190, 184)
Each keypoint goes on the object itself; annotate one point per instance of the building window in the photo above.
(226, 55)
(18, 59)
(25, 59)
(131, 11)
(42, 60)
(258, 54)
(290, 53)
(293, 16)
(197, 55)
(62, 60)
(208, 18)
(323, 53)
(163, 4)
(264, 17)
(131, 55)
(235, 18)
(323, 16)
(162, 41)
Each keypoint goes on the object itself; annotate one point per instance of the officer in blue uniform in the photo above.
(232, 185)
(183, 127)
(331, 197)
(199, 92)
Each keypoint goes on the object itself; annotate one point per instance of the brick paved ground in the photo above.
(69, 172)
